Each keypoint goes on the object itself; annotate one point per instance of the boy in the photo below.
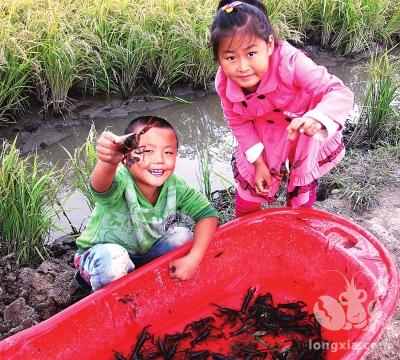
(128, 227)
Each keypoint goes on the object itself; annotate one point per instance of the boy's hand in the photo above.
(183, 268)
(304, 125)
(106, 148)
(108, 158)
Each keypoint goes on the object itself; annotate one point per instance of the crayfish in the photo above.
(131, 144)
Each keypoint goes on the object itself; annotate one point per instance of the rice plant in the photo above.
(389, 28)
(126, 59)
(69, 48)
(379, 120)
(99, 29)
(14, 87)
(284, 16)
(205, 170)
(222, 200)
(81, 164)
(28, 195)
(198, 67)
(56, 68)
(165, 65)
(329, 17)
(193, 29)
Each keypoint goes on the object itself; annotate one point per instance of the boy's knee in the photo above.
(106, 263)
(179, 235)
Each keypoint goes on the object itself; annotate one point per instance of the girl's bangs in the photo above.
(249, 29)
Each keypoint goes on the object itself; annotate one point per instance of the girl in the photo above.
(281, 107)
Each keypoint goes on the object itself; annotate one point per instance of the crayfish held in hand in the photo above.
(130, 147)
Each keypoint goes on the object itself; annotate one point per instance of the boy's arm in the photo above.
(103, 176)
(185, 267)
(194, 204)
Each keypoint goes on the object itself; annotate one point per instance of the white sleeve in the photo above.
(254, 152)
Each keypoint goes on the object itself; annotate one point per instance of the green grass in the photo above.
(205, 170)
(56, 69)
(380, 116)
(361, 175)
(14, 85)
(28, 195)
(68, 48)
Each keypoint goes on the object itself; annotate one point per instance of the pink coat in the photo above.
(293, 86)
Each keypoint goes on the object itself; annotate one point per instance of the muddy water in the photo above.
(198, 124)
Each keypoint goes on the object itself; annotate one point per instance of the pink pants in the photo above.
(243, 207)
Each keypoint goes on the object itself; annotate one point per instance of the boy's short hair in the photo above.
(146, 119)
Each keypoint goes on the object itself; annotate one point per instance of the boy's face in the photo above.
(158, 159)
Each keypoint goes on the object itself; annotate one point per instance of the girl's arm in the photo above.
(185, 267)
(262, 178)
(331, 101)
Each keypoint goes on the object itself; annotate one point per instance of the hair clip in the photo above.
(229, 7)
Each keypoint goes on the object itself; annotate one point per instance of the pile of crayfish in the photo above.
(258, 330)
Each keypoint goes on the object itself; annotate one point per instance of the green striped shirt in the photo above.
(123, 216)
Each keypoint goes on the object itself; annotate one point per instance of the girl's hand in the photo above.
(106, 148)
(262, 179)
(183, 268)
(304, 125)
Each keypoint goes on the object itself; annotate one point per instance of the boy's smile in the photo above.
(159, 146)
(245, 59)
(156, 172)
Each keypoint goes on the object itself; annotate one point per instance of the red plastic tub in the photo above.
(304, 254)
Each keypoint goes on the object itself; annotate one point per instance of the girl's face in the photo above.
(245, 59)
(157, 160)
